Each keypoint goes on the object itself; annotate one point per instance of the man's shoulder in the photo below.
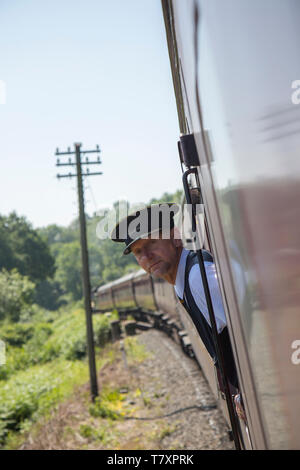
(195, 274)
(193, 263)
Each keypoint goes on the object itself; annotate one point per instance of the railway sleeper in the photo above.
(147, 320)
(187, 346)
(143, 326)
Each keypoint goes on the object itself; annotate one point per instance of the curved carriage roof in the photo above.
(122, 280)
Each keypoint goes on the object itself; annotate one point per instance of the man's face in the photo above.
(156, 256)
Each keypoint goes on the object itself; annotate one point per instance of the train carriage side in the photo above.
(143, 288)
(103, 298)
(166, 301)
(123, 293)
(248, 143)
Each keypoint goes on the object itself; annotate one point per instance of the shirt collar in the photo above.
(180, 276)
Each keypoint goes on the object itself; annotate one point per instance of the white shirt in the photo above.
(197, 290)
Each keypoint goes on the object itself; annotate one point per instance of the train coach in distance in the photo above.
(150, 234)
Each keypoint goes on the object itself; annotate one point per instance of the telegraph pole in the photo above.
(84, 250)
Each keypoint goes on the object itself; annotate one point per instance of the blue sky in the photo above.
(95, 72)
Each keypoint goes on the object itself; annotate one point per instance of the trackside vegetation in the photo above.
(45, 361)
(42, 321)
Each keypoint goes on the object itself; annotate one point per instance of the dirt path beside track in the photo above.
(166, 392)
(170, 371)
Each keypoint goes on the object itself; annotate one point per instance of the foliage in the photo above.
(108, 404)
(89, 432)
(169, 197)
(44, 362)
(17, 334)
(23, 248)
(31, 393)
(68, 272)
(45, 350)
(69, 338)
(114, 263)
(40, 342)
(16, 293)
(53, 234)
(48, 294)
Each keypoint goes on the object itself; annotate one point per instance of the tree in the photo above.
(168, 197)
(95, 264)
(68, 272)
(48, 293)
(6, 253)
(53, 234)
(24, 249)
(16, 294)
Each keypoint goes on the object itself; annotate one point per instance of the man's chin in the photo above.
(158, 271)
(157, 274)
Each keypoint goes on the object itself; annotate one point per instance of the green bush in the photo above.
(102, 332)
(39, 342)
(102, 410)
(16, 293)
(16, 334)
(16, 359)
(35, 347)
(31, 393)
(108, 404)
(42, 361)
(70, 334)
(26, 345)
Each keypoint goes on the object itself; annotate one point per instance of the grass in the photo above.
(108, 405)
(39, 342)
(45, 361)
(69, 420)
(31, 393)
